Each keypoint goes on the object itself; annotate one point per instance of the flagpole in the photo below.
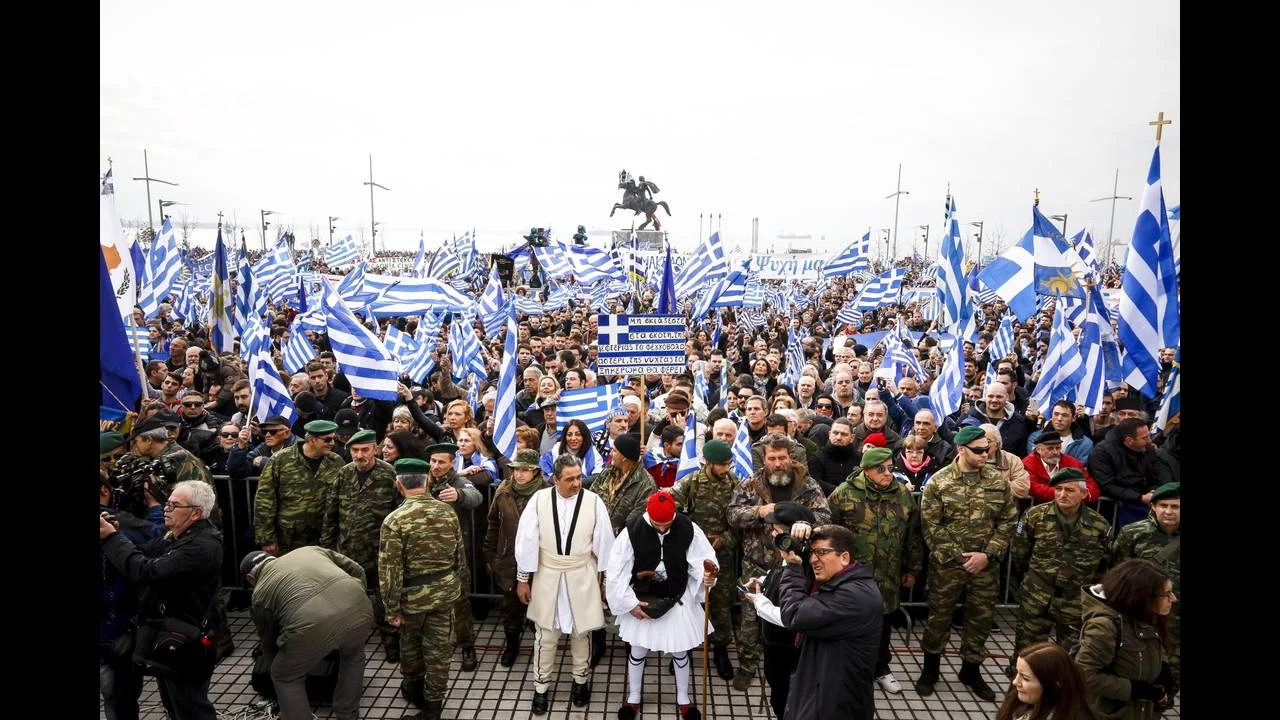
(137, 359)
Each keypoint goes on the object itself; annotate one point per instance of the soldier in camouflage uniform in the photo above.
(1158, 539)
(444, 484)
(886, 529)
(288, 511)
(362, 495)
(967, 513)
(780, 480)
(500, 543)
(625, 487)
(421, 561)
(1058, 547)
(704, 497)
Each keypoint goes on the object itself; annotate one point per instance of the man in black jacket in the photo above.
(836, 460)
(1128, 470)
(839, 626)
(179, 576)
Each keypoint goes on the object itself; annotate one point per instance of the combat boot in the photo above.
(469, 662)
(412, 691)
(511, 650)
(434, 710)
(724, 667)
(929, 676)
(971, 676)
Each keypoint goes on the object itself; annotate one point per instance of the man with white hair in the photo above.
(724, 430)
(1009, 465)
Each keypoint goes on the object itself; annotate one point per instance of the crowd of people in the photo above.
(858, 494)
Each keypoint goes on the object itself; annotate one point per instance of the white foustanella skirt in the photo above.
(678, 630)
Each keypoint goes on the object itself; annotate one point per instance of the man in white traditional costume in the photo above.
(657, 568)
(563, 534)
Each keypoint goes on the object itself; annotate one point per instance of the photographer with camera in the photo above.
(151, 440)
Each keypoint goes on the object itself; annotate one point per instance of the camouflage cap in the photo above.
(109, 441)
(1167, 491)
(412, 466)
(525, 459)
(362, 437)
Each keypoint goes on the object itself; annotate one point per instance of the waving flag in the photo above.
(592, 406)
(276, 274)
(1100, 352)
(707, 265)
(1001, 345)
(1171, 403)
(1149, 290)
(688, 449)
(528, 305)
(728, 292)
(365, 361)
(957, 306)
(466, 246)
(742, 452)
(883, 290)
(592, 265)
(855, 257)
(249, 300)
(700, 382)
(794, 359)
(504, 408)
(1175, 235)
(1083, 243)
(166, 266)
(443, 263)
(298, 351)
(343, 252)
(420, 260)
(1040, 264)
(222, 333)
(121, 385)
(492, 304)
(270, 396)
(948, 388)
(667, 295)
(1063, 367)
(464, 347)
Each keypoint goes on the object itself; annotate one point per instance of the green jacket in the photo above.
(1145, 539)
(354, 511)
(886, 530)
(1058, 562)
(706, 502)
(744, 512)
(421, 557)
(289, 508)
(1110, 663)
(967, 512)
(308, 600)
(627, 500)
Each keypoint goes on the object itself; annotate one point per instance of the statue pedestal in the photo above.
(646, 240)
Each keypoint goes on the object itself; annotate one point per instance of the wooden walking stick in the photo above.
(709, 569)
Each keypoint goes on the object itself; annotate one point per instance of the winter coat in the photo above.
(1109, 662)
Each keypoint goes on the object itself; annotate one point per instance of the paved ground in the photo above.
(495, 692)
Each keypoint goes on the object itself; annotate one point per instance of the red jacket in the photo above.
(1041, 491)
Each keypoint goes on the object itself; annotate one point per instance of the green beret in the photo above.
(412, 466)
(875, 457)
(1167, 491)
(526, 458)
(1066, 475)
(109, 441)
(320, 427)
(448, 448)
(364, 436)
(968, 434)
(717, 451)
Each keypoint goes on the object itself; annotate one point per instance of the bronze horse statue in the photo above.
(638, 197)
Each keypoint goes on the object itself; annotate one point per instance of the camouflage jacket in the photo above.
(469, 498)
(289, 508)
(626, 501)
(757, 538)
(1054, 560)
(967, 512)
(706, 502)
(886, 530)
(1145, 539)
(354, 510)
(421, 557)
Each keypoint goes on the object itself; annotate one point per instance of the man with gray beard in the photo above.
(781, 479)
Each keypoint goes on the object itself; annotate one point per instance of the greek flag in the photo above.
(504, 408)
(1063, 368)
(492, 305)
(850, 315)
(528, 305)
(351, 288)
(851, 259)
(1175, 234)
(400, 344)
(343, 252)
(420, 260)
(883, 290)
(1040, 264)
(708, 265)
(464, 348)
(1083, 243)
(270, 396)
(753, 320)
(473, 395)
(139, 341)
(794, 359)
(1100, 351)
(165, 265)
(688, 450)
(742, 452)
(957, 307)
(592, 406)
(466, 253)
(367, 364)
(592, 265)
(402, 296)
(948, 387)
(276, 275)
(554, 260)
(249, 301)
(724, 384)
(1149, 290)
(976, 289)
(754, 295)
(896, 356)
(222, 334)
(1171, 403)
(1001, 345)
(443, 263)
(299, 350)
(728, 292)
(700, 381)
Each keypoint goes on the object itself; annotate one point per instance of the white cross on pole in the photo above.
(611, 329)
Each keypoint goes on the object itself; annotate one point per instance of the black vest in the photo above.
(672, 552)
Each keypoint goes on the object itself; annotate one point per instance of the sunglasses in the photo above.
(824, 406)
(228, 434)
(274, 430)
(193, 404)
(978, 451)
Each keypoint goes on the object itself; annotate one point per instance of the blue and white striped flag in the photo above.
(753, 319)
(592, 265)
(724, 385)
(276, 275)
(794, 359)
(1100, 351)
(420, 260)
(473, 394)
(464, 348)
(1001, 345)
(742, 452)
(700, 382)
(980, 291)
(1149, 306)
(351, 287)
(1063, 368)
(1175, 235)
(166, 266)
(270, 396)
(957, 307)
(554, 260)
(139, 341)
(250, 303)
(730, 291)
(883, 290)
(298, 351)
(754, 296)
(1171, 402)
(707, 265)
(443, 263)
(504, 408)
(948, 388)
(466, 246)
(1039, 264)
(855, 257)
(1083, 243)
(592, 405)
(492, 304)
(342, 252)
(688, 449)
(400, 344)
(367, 364)
(849, 314)
(222, 333)
(528, 305)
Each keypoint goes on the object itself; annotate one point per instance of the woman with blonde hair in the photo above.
(473, 460)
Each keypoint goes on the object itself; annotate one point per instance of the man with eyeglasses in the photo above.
(244, 460)
(967, 513)
(219, 449)
(151, 439)
(288, 511)
(885, 523)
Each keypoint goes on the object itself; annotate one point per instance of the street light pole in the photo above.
(925, 228)
(887, 258)
(264, 214)
(979, 224)
(332, 218)
(146, 170)
(897, 196)
(1111, 227)
(1063, 218)
(372, 223)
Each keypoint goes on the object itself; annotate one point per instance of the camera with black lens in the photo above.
(134, 477)
(786, 543)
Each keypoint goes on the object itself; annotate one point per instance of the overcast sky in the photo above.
(502, 116)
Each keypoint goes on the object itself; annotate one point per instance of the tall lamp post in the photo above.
(979, 224)
(887, 259)
(164, 204)
(925, 228)
(264, 214)
(1111, 227)
(148, 179)
(897, 196)
(332, 220)
(373, 224)
(1063, 218)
